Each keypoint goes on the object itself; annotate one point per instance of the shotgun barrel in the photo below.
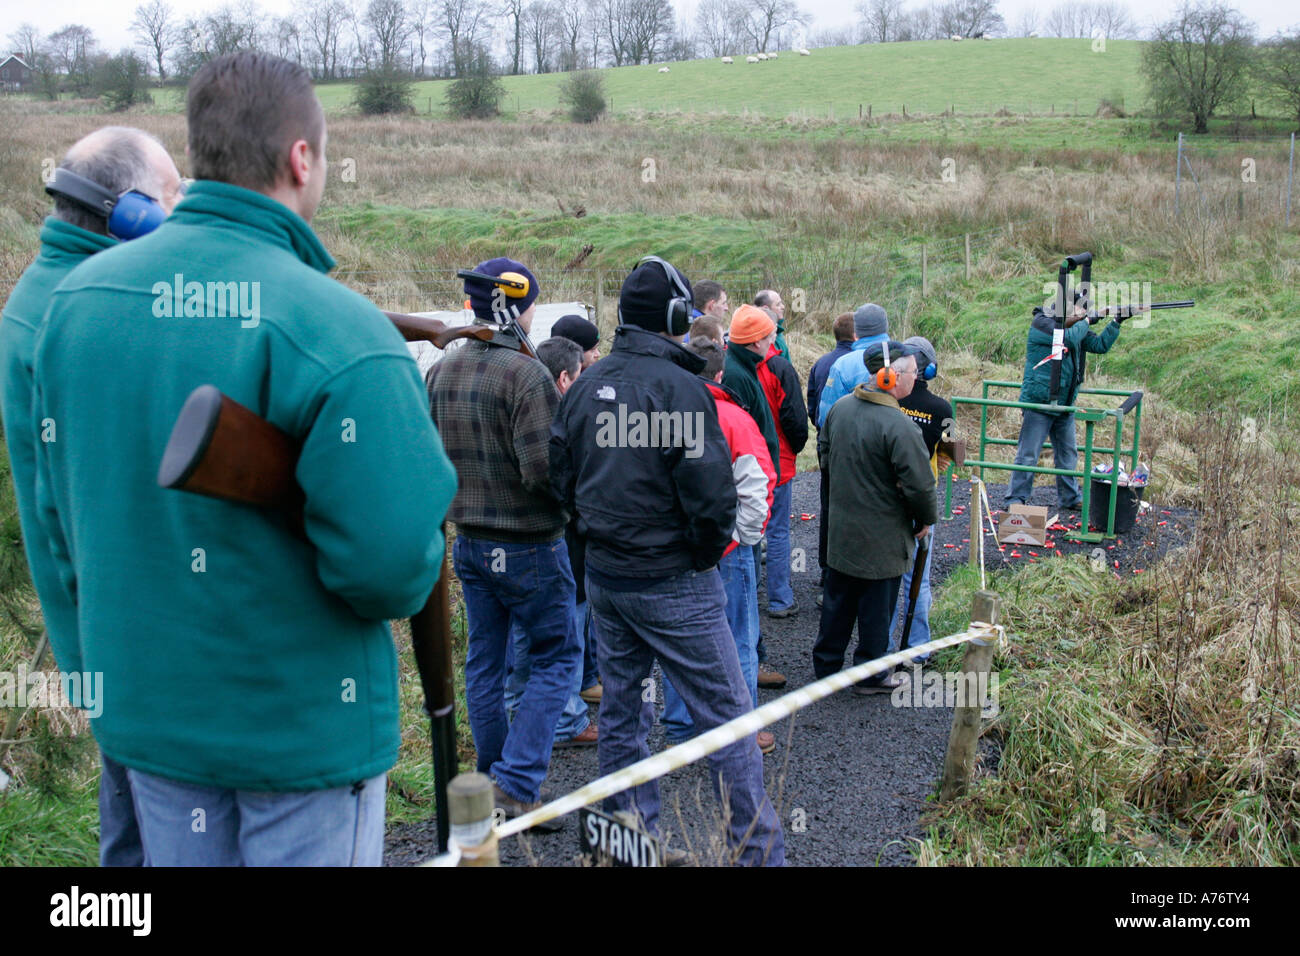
(221, 449)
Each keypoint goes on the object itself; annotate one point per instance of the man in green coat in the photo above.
(249, 676)
(120, 160)
(1036, 387)
(881, 503)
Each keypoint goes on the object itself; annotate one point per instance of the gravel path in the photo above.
(851, 775)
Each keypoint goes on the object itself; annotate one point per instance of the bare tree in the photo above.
(462, 22)
(880, 19)
(1111, 19)
(717, 26)
(70, 50)
(26, 42)
(1026, 23)
(154, 28)
(764, 17)
(969, 18)
(388, 31)
(541, 29)
(650, 29)
(418, 15)
(513, 11)
(285, 39)
(570, 17)
(323, 26)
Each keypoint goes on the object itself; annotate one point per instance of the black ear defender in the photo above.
(128, 216)
(677, 317)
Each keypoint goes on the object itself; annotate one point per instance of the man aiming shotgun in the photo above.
(249, 675)
(1055, 362)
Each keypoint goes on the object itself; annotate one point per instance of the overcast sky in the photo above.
(110, 19)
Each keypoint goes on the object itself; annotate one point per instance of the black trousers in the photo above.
(846, 599)
(821, 523)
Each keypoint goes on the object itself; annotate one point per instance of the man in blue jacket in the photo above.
(119, 160)
(870, 325)
(637, 450)
(249, 675)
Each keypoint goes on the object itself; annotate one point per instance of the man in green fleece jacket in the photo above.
(881, 502)
(118, 159)
(249, 676)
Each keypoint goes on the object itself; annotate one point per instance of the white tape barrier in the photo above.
(734, 730)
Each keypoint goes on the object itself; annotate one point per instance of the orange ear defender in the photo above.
(886, 378)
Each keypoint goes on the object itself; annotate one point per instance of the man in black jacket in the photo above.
(637, 452)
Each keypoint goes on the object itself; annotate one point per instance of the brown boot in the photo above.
(769, 679)
(766, 742)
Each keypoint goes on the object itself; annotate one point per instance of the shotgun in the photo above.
(914, 591)
(221, 449)
(416, 328)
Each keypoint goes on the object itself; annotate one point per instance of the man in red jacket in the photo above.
(785, 397)
(751, 465)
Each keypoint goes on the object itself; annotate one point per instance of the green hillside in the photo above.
(926, 77)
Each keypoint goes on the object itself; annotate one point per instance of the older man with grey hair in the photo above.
(114, 161)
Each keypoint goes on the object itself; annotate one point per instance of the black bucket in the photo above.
(1126, 508)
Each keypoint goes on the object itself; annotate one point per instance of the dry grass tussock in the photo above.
(1154, 720)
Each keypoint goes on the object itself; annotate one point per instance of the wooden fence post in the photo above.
(959, 763)
(471, 803)
(976, 523)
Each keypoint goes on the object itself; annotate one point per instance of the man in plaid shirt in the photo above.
(493, 406)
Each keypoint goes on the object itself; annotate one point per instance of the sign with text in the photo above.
(612, 842)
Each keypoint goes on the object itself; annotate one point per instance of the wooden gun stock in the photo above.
(418, 328)
(954, 449)
(221, 449)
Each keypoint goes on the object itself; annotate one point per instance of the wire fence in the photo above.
(1248, 179)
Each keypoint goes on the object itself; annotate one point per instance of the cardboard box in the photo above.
(1024, 524)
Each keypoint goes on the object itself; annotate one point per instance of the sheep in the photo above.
(805, 53)
(987, 37)
(751, 59)
(956, 38)
(663, 69)
(762, 56)
(727, 60)
(771, 56)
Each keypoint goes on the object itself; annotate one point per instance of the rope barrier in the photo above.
(674, 758)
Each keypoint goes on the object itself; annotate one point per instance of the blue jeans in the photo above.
(682, 622)
(1034, 430)
(920, 632)
(119, 834)
(741, 588)
(575, 717)
(590, 672)
(184, 824)
(779, 593)
(530, 584)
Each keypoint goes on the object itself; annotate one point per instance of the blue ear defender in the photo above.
(128, 216)
(929, 372)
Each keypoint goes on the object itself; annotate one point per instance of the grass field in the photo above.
(1020, 75)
